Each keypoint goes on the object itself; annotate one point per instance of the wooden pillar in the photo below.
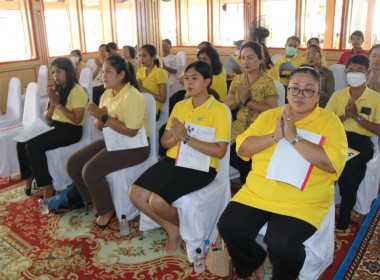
(250, 13)
(329, 37)
(148, 23)
(369, 24)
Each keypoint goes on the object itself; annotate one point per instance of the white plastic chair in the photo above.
(368, 188)
(8, 155)
(339, 76)
(164, 116)
(42, 82)
(281, 92)
(182, 56)
(91, 63)
(319, 247)
(120, 181)
(274, 57)
(13, 114)
(200, 210)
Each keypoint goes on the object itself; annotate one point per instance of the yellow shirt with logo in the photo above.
(368, 105)
(296, 60)
(311, 204)
(152, 82)
(77, 98)
(210, 114)
(128, 105)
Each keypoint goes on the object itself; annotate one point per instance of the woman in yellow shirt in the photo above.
(151, 78)
(122, 109)
(65, 111)
(163, 183)
(293, 214)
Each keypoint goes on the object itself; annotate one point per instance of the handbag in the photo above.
(218, 259)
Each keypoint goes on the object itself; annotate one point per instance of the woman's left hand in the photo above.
(178, 129)
(290, 130)
(95, 111)
(54, 98)
(242, 92)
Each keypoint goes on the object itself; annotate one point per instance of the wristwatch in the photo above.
(297, 139)
(104, 119)
(187, 138)
(359, 118)
(59, 106)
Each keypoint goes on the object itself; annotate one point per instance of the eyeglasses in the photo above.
(305, 92)
(357, 71)
(311, 54)
(204, 59)
(165, 45)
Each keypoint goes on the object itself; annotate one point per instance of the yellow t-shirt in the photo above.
(128, 105)
(223, 74)
(368, 105)
(77, 98)
(220, 86)
(311, 204)
(151, 82)
(80, 68)
(296, 60)
(210, 114)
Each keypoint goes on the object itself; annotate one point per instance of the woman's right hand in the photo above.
(279, 130)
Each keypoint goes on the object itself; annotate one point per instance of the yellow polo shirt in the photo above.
(128, 105)
(296, 60)
(368, 105)
(219, 84)
(210, 114)
(77, 98)
(311, 204)
(151, 82)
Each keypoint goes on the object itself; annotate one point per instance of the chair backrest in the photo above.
(224, 163)
(274, 57)
(85, 80)
(91, 63)
(281, 92)
(32, 105)
(182, 56)
(14, 107)
(150, 109)
(42, 80)
(339, 76)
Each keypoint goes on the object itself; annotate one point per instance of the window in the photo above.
(168, 21)
(92, 22)
(126, 23)
(14, 24)
(194, 24)
(357, 17)
(279, 18)
(376, 25)
(228, 22)
(57, 27)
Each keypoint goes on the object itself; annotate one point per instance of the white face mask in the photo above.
(237, 52)
(356, 79)
(75, 59)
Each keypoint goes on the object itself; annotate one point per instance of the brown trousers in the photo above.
(89, 166)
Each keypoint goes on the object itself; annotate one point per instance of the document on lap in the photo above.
(191, 158)
(35, 129)
(288, 166)
(116, 141)
(230, 64)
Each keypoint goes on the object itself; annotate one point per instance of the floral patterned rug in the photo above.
(70, 246)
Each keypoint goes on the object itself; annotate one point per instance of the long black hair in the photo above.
(131, 50)
(120, 65)
(204, 69)
(71, 78)
(152, 52)
(212, 53)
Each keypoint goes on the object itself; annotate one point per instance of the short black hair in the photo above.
(294, 38)
(358, 59)
(132, 51)
(357, 33)
(168, 41)
(78, 53)
(106, 46)
(112, 45)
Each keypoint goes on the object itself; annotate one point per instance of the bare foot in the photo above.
(173, 237)
(259, 273)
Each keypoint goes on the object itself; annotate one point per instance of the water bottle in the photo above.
(199, 261)
(206, 248)
(124, 227)
(43, 206)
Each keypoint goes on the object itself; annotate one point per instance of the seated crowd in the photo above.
(344, 118)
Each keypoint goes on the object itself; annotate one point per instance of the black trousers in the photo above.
(352, 175)
(240, 224)
(31, 154)
(241, 165)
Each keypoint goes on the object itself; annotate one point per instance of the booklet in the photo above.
(288, 166)
(37, 128)
(230, 64)
(116, 141)
(191, 158)
(351, 153)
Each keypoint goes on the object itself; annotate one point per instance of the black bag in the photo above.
(75, 200)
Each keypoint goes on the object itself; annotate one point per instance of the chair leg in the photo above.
(86, 209)
(231, 271)
(10, 179)
(141, 237)
(361, 219)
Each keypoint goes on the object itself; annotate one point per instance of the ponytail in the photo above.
(213, 93)
(132, 73)
(157, 62)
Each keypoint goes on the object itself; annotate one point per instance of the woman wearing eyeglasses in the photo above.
(314, 57)
(293, 215)
(373, 81)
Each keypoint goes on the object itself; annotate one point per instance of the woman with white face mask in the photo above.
(76, 58)
(358, 108)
